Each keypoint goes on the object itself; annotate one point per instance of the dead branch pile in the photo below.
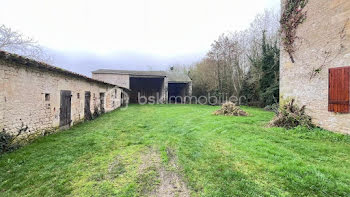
(291, 116)
(230, 109)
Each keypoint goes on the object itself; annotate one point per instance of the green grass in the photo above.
(218, 156)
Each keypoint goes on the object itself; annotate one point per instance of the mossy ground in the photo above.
(216, 155)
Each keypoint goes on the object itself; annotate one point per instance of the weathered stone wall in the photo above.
(189, 89)
(323, 39)
(22, 98)
(117, 79)
(164, 90)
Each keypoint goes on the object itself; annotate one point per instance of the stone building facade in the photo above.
(36, 98)
(323, 42)
(164, 86)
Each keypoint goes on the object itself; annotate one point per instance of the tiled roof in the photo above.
(131, 72)
(173, 77)
(26, 62)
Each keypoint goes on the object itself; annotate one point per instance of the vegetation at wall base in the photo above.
(5, 142)
(291, 116)
(215, 156)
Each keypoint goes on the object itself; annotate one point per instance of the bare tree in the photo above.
(204, 77)
(227, 63)
(15, 42)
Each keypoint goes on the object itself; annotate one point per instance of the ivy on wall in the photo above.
(292, 16)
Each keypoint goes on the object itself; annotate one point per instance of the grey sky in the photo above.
(128, 34)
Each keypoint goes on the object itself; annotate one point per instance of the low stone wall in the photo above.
(30, 98)
(323, 42)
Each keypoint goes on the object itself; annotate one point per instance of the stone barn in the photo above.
(163, 86)
(319, 76)
(36, 98)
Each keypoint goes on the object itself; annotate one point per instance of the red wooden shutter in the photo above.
(339, 90)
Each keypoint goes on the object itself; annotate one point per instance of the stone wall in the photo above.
(30, 98)
(117, 79)
(189, 89)
(164, 90)
(323, 39)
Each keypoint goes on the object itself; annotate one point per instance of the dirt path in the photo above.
(163, 181)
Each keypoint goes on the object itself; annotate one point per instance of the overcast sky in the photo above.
(83, 35)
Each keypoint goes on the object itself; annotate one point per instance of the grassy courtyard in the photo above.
(179, 150)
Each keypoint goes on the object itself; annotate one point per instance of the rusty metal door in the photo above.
(65, 108)
(87, 109)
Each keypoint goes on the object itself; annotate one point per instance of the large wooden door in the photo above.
(87, 109)
(65, 108)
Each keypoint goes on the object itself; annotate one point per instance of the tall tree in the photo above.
(269, 82)
(261, 85)
(234, 64)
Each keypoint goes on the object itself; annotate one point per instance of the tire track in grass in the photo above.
(157, 180)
